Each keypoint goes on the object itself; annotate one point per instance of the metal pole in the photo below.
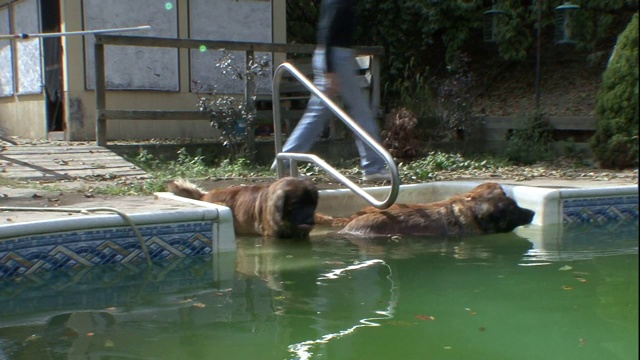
(538, 48)
(249, 92)
(101, 96)
(70, 33)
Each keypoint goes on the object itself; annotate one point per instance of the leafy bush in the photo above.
(193, 166)
(615, 143)
(228, 113)
(436, 162)
(433, 110)
(423, 36)
(455, 104)
(531, 143)
(400, 135)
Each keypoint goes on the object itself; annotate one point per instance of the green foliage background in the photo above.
(615, 144)
(423, 37)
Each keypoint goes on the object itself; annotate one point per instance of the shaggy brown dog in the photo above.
(283, 209)
(484, 210)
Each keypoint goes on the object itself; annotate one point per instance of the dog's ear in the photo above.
(276, 205)
(489, 215)
(485, 191)
(501, 215)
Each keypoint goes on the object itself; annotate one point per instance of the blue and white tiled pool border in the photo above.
(75, 242)
(202, 229)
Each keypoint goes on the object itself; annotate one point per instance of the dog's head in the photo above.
(291, 206)
(485, 191)
(500, 214)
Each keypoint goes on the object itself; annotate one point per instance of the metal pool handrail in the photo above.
(347, 120)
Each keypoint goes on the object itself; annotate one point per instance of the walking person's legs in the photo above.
(372, 164)
(316, 116)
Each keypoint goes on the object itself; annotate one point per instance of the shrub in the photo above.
(531, 143)
(400, 135)
(455, 104)
(615, 143)
(229, 114)
(442, 108)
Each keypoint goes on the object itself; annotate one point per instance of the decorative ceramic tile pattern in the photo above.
(599, 210)
(75, 249)
(100, 287)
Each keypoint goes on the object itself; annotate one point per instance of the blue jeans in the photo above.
(317, 114)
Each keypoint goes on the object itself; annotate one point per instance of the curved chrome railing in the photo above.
(293, 157)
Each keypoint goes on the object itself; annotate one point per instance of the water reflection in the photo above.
(308, 283)
(327, 289)
(582, 242)
(506, 245)
(334, 297)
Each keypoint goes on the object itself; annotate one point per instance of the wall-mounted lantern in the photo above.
(564, 23)
(490, 26)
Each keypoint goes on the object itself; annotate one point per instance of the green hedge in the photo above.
(615, 143)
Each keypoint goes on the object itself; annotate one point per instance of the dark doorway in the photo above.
(52, 49)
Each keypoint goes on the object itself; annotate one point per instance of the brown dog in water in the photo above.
(484, 210)
(283, 209)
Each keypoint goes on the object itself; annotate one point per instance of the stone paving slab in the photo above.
(63, 160)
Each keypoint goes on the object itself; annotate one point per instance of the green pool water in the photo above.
(489, 297)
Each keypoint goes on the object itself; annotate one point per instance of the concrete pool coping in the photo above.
(24, 197)
(535, 194)
(549, 202)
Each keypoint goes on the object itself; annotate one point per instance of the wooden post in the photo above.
(101, 97)
(375, 85)
(249, 93)
(538, 50)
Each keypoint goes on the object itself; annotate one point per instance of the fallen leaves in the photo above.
(577, 275)
(472, 313)
(580, 278)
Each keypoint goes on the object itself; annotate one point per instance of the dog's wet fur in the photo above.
(283, 209)
(484, 210)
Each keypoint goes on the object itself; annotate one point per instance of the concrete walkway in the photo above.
(46, 160)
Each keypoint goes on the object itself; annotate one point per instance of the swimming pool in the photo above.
(564, 287)
(487, 297)
(175, 227)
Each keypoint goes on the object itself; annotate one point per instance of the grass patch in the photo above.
(436, 166)
(427, 168)
(194, 167)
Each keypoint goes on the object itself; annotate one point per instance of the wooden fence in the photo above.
(573, 131)
(103, 114)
